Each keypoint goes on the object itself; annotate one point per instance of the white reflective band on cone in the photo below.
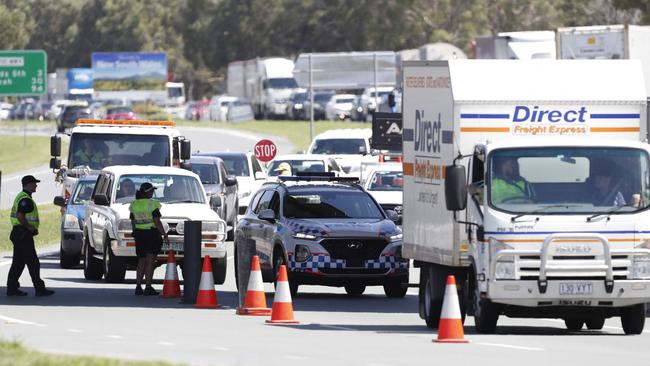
(450, 305)
(207, 281)
(255, 282)
(171, 273)
(282, 293)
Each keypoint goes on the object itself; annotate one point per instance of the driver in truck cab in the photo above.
(88, 155)
(507, 184)
(607, 186)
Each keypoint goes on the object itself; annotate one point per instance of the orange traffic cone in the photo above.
(450, 329)
(282, 312)
(207, 296)
(171, 284)
(255, 303)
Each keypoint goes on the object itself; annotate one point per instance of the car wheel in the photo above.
(573, 324)
(219, 268)
(92, 265)
(633, 319)
(114, 266)
(68, 261)
(355, 289)
(278, 260)
(395, 290)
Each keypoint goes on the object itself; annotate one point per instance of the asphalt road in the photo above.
(94, 318)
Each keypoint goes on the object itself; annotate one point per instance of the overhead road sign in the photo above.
(23, 72)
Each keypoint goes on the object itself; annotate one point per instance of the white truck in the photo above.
(265, 83)
(527, 180)
(109, 142)
(515, 45)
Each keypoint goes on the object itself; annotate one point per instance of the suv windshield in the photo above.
(569, 180)
(330, 204)
(338, 146)
(100, 150)
(236, 165)
(207, 172)
(386, 181)
(169, 188)
(83, 192)
(313, 166)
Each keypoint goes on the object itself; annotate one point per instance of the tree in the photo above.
(14, 32)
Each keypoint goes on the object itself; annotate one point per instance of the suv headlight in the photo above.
(641, 267)
(71, 222)
(396, 237)
(213, 226)
(304, 236)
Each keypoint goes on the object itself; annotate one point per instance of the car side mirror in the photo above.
(267, 215)
(363, 150)
(186, 149)
(101, 200)
(55, 163)
(392, 215)
(60, 201)
(215, 202)
(455, 188)
(260, 175)
(55, 145)
(231, 181)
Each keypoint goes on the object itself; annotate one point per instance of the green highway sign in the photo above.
(23, 72)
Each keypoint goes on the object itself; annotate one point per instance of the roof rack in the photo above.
(317, 177)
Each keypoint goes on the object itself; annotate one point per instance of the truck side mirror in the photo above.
(186, 149)
(55, 145)
(101, 200)
(59, 201)
(55, 163)
(455, 188)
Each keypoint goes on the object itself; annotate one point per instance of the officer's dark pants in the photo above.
(24, 254)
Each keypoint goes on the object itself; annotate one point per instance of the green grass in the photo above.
(28, 123)
(49, 231)
(296, 131)
(18, 155)
(14, 354)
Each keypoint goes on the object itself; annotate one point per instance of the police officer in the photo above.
(24, 222)
(147, 231)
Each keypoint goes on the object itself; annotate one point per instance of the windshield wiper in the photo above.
(607, 213)
(183, 201)
(539, 210)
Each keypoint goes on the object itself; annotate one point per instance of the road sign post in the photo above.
(265, 150)
(23, 73)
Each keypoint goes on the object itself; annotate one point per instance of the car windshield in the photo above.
(302, 166)
(83, 192)
(323, 98)
(569, 180)
(98, 150)
(386, 181)
(117, 110)
(338, 146)
(344, 100)
(236, 165)
(282, 83)
(299, 97)
(330, 204)
(207, 172)
(169, 188)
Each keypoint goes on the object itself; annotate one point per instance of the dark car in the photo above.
(296, 105)
(70, 115)
(217, 182)
(320, 101)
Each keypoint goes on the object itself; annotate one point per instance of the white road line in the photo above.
(9, 320)
(335, 327)
(163, 343)
(221, 348)
(75, 330)
(114, 336)
(511, 346)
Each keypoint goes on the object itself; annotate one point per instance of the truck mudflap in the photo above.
(579, 281)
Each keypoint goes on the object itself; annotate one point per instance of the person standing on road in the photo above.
(147, 232)
(24, 222)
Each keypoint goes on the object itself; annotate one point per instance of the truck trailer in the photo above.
(528, 181)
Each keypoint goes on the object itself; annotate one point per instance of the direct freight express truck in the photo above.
(528, 181)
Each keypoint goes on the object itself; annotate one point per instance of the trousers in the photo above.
(24, 255)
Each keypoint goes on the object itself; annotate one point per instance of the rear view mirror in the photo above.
(267, 215)
(392, 215)
(55, 145)
(455, 188)
(55, 163)
(186, 149)
(363, 150)
(59, 201)
(260, 175)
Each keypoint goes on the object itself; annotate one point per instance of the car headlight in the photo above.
(180, 228)
(641, 267)
(304, 236)
(396, 237)
(302, 253)
(71, 222)
(298, 106)
(213, 226)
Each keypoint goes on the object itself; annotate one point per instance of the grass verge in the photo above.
(49, 231)
(296, 131)
(18, 155)
(13, 353)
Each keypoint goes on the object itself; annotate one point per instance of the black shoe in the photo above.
(44, 292)
(16, 292)
(138, 290)
(149, 291)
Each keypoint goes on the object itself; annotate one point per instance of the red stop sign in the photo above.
(265, 150)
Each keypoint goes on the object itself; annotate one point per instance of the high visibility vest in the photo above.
(32, 217)
(503, 190)
(81, 157)
(142, 210)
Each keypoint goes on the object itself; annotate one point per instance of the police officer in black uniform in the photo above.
(25, 221)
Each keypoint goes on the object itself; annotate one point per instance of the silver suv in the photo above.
(328, 231)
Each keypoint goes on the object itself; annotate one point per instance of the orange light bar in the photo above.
(210, 245)
(135, 122)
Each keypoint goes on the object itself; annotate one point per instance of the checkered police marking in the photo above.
(298, 227)
(325, 261)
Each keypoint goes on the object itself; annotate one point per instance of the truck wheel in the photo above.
(68, 261)
(114, 266)
(355, 289)
(573, 324)
(486, 313)
(92, 266)
(633, 319)
(431, 294)
(395, 289)
(595, 322)
(219, 267)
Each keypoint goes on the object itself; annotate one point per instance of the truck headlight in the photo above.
(71, 222)
(505, 270)
(641, 267)
(302, 253)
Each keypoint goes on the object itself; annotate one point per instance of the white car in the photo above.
(304, 163)
(385, 183)
(218, 108)
(369, 100)
(108, 244)
(5, 110)
(349, 146)
(340, 106)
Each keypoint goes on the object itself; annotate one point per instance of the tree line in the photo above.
(202, 36)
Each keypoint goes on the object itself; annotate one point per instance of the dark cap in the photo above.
(29, 179)
(147, 187)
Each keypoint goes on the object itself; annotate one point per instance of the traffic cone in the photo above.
(282, 312)
(207, 296)
(255, 303)
(450, 329)
(171, 284)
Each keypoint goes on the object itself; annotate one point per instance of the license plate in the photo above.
(576, 288)
(172, 246)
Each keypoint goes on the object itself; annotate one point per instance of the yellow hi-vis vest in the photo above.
(142, 210)
(32, 217)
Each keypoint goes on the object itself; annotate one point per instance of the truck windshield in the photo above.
(569, 180)
(330, 204)
(282, 83)
(169, 188)
(97, 150)
(338, 146)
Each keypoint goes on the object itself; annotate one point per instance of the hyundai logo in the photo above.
(355, 245)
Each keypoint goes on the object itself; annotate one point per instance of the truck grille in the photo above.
(528, 267)
(354, 251)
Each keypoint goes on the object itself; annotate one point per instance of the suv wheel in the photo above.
(395, 289)
(278, 260)
(68, 261)
(355, 289)
(114, 266)
(92, 265)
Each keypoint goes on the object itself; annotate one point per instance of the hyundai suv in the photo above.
(327, 231)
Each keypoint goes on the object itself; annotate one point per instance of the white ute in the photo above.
(109, 247)
(527, 180)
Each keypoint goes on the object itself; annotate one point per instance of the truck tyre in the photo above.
(595, 322)
(486, 313)
(219, 267)
(92, 266)
(68, 261)
(114, 266)
(355, 289)
(633, 319)
(395, 289)
(573, 324)
(431, 292)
